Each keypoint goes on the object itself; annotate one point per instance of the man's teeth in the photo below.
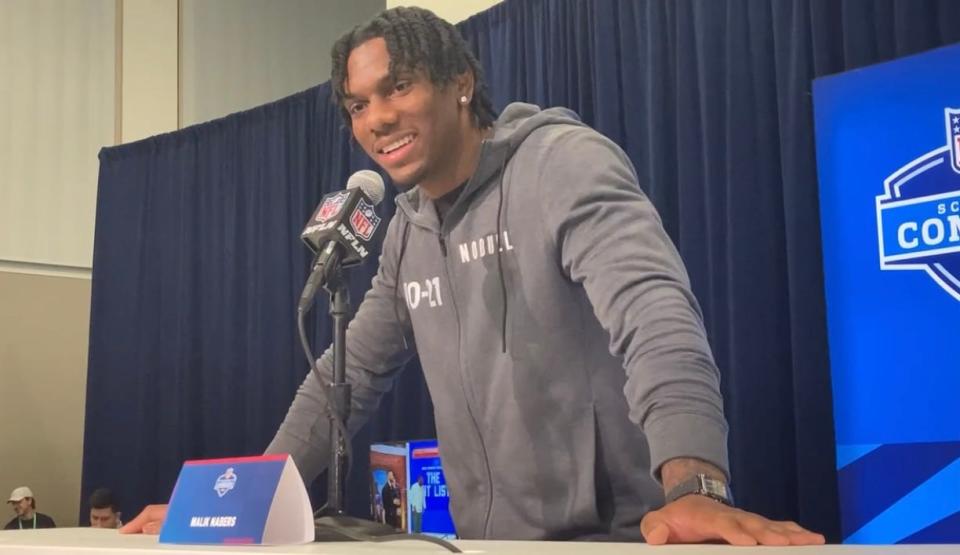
(394, 146)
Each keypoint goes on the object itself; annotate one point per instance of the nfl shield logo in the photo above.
(918, 215)
(225, 482)
(364, 220)
(953, 131)
(331, 207)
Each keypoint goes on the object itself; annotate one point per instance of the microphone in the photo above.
(342, 229)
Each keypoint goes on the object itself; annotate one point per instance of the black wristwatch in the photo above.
(701, 484)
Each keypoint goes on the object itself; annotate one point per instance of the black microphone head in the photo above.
(369, 182)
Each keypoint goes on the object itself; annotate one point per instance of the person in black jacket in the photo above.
(391, 501)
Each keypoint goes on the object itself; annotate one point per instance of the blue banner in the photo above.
(888, 155)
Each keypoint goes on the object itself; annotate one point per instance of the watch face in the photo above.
(714, 487)
(701, 484)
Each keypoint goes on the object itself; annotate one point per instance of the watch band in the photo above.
(701, 484)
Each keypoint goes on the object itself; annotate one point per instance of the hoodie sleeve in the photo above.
(610, 238)
(376, 351)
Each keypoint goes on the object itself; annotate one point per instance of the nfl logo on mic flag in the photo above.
(364, 220)
(331, 207)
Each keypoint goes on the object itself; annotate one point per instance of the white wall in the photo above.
(56, 111)
(149, 74)
(238, 54)
(453, 11)
(77, 75)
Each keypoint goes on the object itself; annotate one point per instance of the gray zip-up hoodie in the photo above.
(552, 249)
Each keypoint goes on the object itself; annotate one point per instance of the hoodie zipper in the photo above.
(463, 387)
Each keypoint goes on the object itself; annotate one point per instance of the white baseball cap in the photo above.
(19, 493)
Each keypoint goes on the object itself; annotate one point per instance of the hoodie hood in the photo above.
(513, 126)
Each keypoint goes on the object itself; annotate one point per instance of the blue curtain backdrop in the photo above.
(197, 263)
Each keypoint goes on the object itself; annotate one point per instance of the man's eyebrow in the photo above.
(381, 83)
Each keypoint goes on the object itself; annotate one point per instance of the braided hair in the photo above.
(416, 40)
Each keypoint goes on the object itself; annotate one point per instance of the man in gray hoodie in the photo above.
(573, 386)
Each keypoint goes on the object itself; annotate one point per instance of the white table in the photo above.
(88, 541)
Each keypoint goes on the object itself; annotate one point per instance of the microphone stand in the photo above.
(331, 522)
(339, 394)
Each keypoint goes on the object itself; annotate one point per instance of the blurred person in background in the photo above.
(104, 511)
(25, 505)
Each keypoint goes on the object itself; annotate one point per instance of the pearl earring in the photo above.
(463, 99)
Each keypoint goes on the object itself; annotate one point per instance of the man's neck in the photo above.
(466, 163)
(28, 515)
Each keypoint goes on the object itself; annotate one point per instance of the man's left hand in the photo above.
(698, 519)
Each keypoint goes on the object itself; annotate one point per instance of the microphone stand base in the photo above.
(334, 526)
(341, 527)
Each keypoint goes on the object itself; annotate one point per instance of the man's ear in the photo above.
(464, 83)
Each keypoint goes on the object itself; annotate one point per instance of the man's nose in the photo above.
(381, 116)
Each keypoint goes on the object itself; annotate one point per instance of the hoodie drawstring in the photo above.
(396, 283)
(503, 282)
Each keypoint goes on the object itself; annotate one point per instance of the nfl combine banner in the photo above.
(888, 153)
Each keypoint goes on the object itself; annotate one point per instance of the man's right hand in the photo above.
(149, 521)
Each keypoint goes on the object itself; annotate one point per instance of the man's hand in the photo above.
(149, 521)
(698, 519)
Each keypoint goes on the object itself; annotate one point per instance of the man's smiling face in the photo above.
(405, 123)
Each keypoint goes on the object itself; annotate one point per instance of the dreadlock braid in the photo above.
(416, 39)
